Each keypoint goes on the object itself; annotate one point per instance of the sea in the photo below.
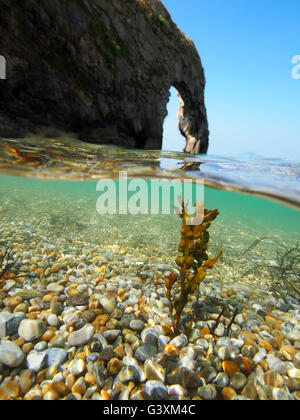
(82, 208)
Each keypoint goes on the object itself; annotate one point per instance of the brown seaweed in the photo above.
(8, 259)
(193, 261)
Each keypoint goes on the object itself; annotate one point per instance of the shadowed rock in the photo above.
(101, 69)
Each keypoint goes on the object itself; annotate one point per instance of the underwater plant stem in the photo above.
(294, 289)
(198, 294)
(231, 322)
(5, 257)
(253, 245)
(172, 318)
(182, 297)
(278, 292)
(212, 331)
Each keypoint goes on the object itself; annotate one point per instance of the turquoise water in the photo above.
(68, 209)
(257, 213)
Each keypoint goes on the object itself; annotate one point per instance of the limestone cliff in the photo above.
(98, 68)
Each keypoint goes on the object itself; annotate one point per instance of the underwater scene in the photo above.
(147, 306)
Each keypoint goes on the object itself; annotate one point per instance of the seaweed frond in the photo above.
(284, 273)
(7, 261)
(193, 261)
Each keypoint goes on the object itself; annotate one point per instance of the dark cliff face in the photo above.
(98, 68)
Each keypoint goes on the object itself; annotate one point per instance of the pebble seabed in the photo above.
(79, 322)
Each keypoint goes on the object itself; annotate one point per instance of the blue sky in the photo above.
(246, 48)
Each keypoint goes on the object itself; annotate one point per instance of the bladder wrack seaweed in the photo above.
(193, 261)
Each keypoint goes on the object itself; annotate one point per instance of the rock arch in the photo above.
(192, 120)
(101, 69)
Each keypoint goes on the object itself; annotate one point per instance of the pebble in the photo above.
(273, 379)
(294, 373)
(55, 356)
(89, 316)
(34, 394)
(100, 341)
(70, 380)
(22, 307)
(57, 341)
(222, 380)
(107, 353)
(128, 374)
(230, 367)
(293, 384)
(89, 378)
(92, 357)
(184, 377)
(117, 313)
(177, 391)
(107, 304)
(224, 353)
(35, 361)
(77, 299)
(238, 381)
(228, 393)
(53, 320)
(261, 355)
(14, 301)
(51, 395)
(219, 331)
(27, 380)
(280, 395)
(274, 363)
(79, 386)
(114, 366)
(288, 352)
(150, 336)
(27, 347)
(154, 371)
(81, 337)
(136, 325)
(10, 354)
(11, 388)
(76, 367)
(55, 288)
(164, 267)
(207, 392)
(97, 331)
(111, 335)
(155, 390)
(145, 352)
(41, 346)
(9, 323)
(249, 391)
(9, 285)
(180, 341)
(57, 308)
(60, 387)
(99, 372)
(131, 338)
(209, 374)
(31, 329)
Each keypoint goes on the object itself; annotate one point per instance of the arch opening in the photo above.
(173, 140)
